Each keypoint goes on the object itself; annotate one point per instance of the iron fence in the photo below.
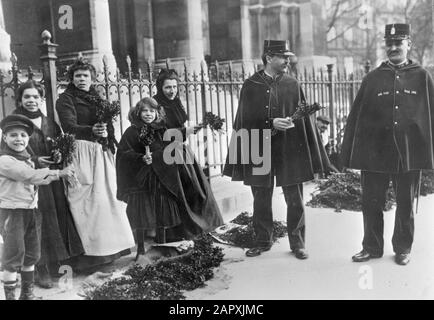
(214, 88)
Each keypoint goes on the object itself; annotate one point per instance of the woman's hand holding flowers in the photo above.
(99, 129)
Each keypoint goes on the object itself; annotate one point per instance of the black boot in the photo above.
(10, 287)
(27, 286)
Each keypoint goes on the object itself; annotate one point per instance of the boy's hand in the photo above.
(45, 162)
(68, 172)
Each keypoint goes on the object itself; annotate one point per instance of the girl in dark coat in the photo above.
(200, 211)
(145, 182)
(59, 237)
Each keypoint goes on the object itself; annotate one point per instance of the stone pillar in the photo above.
(306, 30)
(178, 31)
(258, 21)
(284, 23)
(246, 32)
(5, 43)
(144, 31)
(101, 35)
(294, 29)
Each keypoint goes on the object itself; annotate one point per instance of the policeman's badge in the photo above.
(392, 31)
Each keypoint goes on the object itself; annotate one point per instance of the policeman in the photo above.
(388, 137)
(293, 150)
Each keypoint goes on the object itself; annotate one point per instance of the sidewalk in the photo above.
(331, 239)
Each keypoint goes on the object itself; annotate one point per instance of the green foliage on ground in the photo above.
(165, 279)
(343, 191)
(244, 235)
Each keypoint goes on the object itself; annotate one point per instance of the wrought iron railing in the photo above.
(214, 88)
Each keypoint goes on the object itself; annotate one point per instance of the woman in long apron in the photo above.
(100, 218)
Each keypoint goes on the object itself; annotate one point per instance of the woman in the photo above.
(100, 219)
(59, 237)
(199, 210)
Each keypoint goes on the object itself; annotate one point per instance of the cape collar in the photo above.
(262, 78)
(409, 64)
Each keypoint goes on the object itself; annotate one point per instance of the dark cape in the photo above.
(390, 126)
(296, 154)
(59, 236)
(200, 210)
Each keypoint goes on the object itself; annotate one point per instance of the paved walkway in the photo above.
(331, 238)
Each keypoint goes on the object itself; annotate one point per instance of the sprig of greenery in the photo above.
(62, 149)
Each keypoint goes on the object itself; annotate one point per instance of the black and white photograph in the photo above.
(216, 154)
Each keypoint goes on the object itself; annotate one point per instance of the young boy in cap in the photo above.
(389, 136)
(20, 220)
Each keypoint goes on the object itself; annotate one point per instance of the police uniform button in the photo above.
(396, 123)
(397, 77)
(266, 107)
(268, 91)
(396, 107)
(397, 91)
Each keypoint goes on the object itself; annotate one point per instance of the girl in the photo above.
(145, 182)
(59, 237)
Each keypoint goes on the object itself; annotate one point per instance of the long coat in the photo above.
(296, 154)
(201, 212)
(391, 121)
(131, 170)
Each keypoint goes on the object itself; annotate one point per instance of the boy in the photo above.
(20, 220)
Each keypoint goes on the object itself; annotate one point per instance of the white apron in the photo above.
(100, 218)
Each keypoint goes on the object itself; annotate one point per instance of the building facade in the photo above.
(154, 30)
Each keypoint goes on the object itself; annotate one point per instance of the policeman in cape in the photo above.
(291, 151)
(388, 137)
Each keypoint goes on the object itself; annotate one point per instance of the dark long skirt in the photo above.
(59, 237)
(198, 208)
(153, 207)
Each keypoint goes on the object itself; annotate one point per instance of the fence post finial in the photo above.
(48, 58)
(46, 37)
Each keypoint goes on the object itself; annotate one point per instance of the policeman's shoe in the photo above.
(364, 255)
(402, 258)
(300, 254)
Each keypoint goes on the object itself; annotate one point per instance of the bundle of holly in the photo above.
(427, 182)
(107, 112)
(343, 191)
(165, 279)
(62, 149)
(305, 110)
(214, 122)
(243, 235)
